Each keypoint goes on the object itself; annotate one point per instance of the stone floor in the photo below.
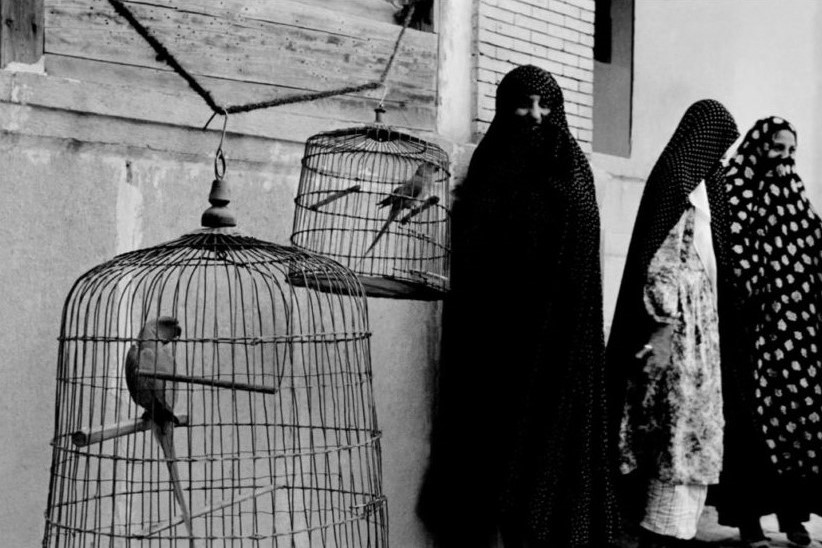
(722, 537)
(713, 535)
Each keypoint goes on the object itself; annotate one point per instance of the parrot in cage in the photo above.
(407, 195)
(153, 353)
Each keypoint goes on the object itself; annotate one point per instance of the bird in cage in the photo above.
(150, 356)
(410, 194)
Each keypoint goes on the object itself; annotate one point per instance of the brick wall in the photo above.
(557, 35)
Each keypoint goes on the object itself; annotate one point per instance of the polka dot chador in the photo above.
(704, 134)
(776, 242)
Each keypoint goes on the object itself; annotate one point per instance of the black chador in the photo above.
(519, 443)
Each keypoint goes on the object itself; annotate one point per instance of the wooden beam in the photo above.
(21, 31)
(128, 102)
(247, 52)
(266, 48)
(375, 10)
(130, 83)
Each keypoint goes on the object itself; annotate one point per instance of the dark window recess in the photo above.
(21, 31)
(603, 36)
(613, 76)
(423, 17)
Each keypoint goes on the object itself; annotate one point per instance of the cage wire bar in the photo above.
(358, 182)
(278, 443)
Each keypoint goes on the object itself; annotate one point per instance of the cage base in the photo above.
(374, 286)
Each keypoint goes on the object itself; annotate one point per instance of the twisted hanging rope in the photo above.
(164, 55)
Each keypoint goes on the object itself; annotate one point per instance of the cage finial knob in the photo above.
(218, 215)
(379, 111)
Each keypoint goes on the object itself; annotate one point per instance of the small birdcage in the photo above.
(378, 201)
(274, 440)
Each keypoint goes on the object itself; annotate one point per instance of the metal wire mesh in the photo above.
(358, 182)
(278, 443)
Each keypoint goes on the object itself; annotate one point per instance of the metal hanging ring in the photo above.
(219, 156)
(219, 164)
(225, 125)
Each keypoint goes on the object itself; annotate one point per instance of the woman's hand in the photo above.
(658, 347)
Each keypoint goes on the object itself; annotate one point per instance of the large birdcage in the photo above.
(274, 440)
(378, 201)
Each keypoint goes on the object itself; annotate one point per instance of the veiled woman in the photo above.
(774, 390)
(519, 442)
(663, 350)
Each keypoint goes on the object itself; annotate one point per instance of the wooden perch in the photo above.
(219, 505)
(428, 275)
(333, 197)
(433, 200)
(88, 436)
(190, 379)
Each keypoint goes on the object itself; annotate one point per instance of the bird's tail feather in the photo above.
(165, 437)
(391, 217)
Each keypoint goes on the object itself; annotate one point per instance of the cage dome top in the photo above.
(378, 137)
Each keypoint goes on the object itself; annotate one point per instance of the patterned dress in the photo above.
(672, 424)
